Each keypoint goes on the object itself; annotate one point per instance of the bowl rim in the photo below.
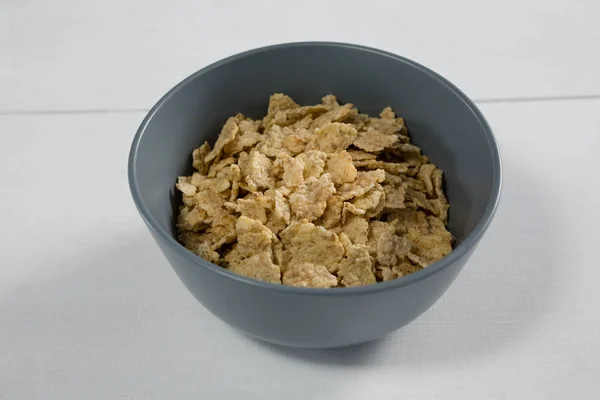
(470, 241)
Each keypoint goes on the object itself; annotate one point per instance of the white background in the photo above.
(89, 309)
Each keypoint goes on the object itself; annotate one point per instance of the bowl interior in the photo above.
(446, 125)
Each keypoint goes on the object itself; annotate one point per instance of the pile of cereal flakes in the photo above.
(315, 196)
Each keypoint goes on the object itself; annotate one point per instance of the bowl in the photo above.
(441, 120)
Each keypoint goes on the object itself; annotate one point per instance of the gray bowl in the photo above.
(441, 119)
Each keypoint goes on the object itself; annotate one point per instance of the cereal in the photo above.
(355, 269)
(364, 182)
(335, 115)
(394, 196)
(340, 167)
(409, 182)
(202, 182)
(350, 209)
(370, 200)
(419, 200)
(197, 243)
(310, 199)
(406, 152)
(387, 113)
(218, 167)
(235, 177)
(272, 144)
(391, 248)
(252, 237)
(305, 165)
(184, 184)
(259, 266)
(409, 219)
(188, 201)
(313, 163)
(392, 168)
(306, 242)
(247, 137)
(377, 229)
(333, 137)
(293, 115)
(295, 140)
(253, 206)
(227, 135)
(316, 196)
(280, 102)
(204, 251)
(373, 140)
(293, 171)
(386, 125)
(198, 156)
(405, 267)
(333, 212)
(280, 216)
(432, 178)
(330, 100)
(386, 273)
(433, 246)
(357, 229)
(209, 201)
(359, 155)
(256, 170)
(191, 220)
(308, 275)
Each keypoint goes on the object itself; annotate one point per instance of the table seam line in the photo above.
(504, 100)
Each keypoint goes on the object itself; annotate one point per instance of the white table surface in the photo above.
(89, 309)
